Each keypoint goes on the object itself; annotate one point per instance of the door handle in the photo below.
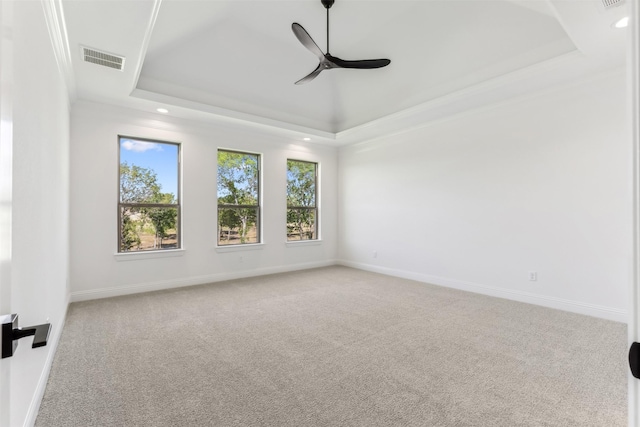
(11, 333)
(634, 359)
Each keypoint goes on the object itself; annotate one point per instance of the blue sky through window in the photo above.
(160, 157)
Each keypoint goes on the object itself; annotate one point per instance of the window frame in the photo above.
(315, 207)
(177, 205)
(257, 206)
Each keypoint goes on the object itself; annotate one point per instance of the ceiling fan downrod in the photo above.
(327, 5)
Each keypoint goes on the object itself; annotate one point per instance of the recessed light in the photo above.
(622, 23)
(307, 139)
(162, 110)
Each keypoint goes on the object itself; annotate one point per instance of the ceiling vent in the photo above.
(608, 4)
(102, 58)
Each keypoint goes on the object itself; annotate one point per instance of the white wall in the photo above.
(40, 254)
(95, 269)
(478, 201)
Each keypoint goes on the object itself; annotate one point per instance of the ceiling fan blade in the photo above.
(327, 61)
(312, 75)
(306, 40)
(362, 64)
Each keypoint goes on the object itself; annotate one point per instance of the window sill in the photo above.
(239, 248)
(300, 243)
(136, 256)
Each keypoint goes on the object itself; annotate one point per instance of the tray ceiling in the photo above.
(239, 59)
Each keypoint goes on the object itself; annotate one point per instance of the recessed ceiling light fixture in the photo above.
(307, 139)
(162, 110)
(621, 23)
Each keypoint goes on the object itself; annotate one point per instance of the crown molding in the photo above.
(54, 17)
(145, 42)
(231, 116)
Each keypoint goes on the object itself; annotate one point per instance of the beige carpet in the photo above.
(333, 347)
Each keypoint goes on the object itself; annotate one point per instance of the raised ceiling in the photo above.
(238, 60)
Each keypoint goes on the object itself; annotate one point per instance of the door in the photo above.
(6, 172)
(634, 311)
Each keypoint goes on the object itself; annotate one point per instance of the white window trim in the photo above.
(298, 243)
(260, 206)
(240, 247)
(178, 205)
(151, 254)
(318, 239)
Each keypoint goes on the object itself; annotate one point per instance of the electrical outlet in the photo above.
(240, 259)
(375, 254)
(533, 276)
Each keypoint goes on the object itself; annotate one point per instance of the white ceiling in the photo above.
(236, 61)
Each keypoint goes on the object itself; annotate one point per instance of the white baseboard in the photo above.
(52, 346)
(191, 281)
(602, 312)
(594, 310)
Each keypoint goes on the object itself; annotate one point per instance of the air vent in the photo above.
(611, 3)
(102, 58)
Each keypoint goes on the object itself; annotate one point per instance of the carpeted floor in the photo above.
(333, 347)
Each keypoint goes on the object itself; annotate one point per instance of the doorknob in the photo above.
(11, 333)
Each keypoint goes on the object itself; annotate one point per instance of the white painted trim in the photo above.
(131, 116)
(139, 256)
(54, 17)
(414, 117)
(145, 42)
(52, 346)
(303, 243)
(232, 116)
(240, 247)
(603, 312)
(572, 306)
(191, 281)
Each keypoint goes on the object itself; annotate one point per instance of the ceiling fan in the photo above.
(328, 61)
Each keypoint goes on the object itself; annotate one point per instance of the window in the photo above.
(149, 198)
(302, 212)
(238, 198)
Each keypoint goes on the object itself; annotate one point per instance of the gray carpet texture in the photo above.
(333, 346)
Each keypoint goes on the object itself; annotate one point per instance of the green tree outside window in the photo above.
(302, 212)
(148, 216)
(238, 198)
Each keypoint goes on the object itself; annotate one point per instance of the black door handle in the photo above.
(634, 359)
(11, 333)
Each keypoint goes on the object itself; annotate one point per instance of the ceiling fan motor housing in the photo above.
(327, 3)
